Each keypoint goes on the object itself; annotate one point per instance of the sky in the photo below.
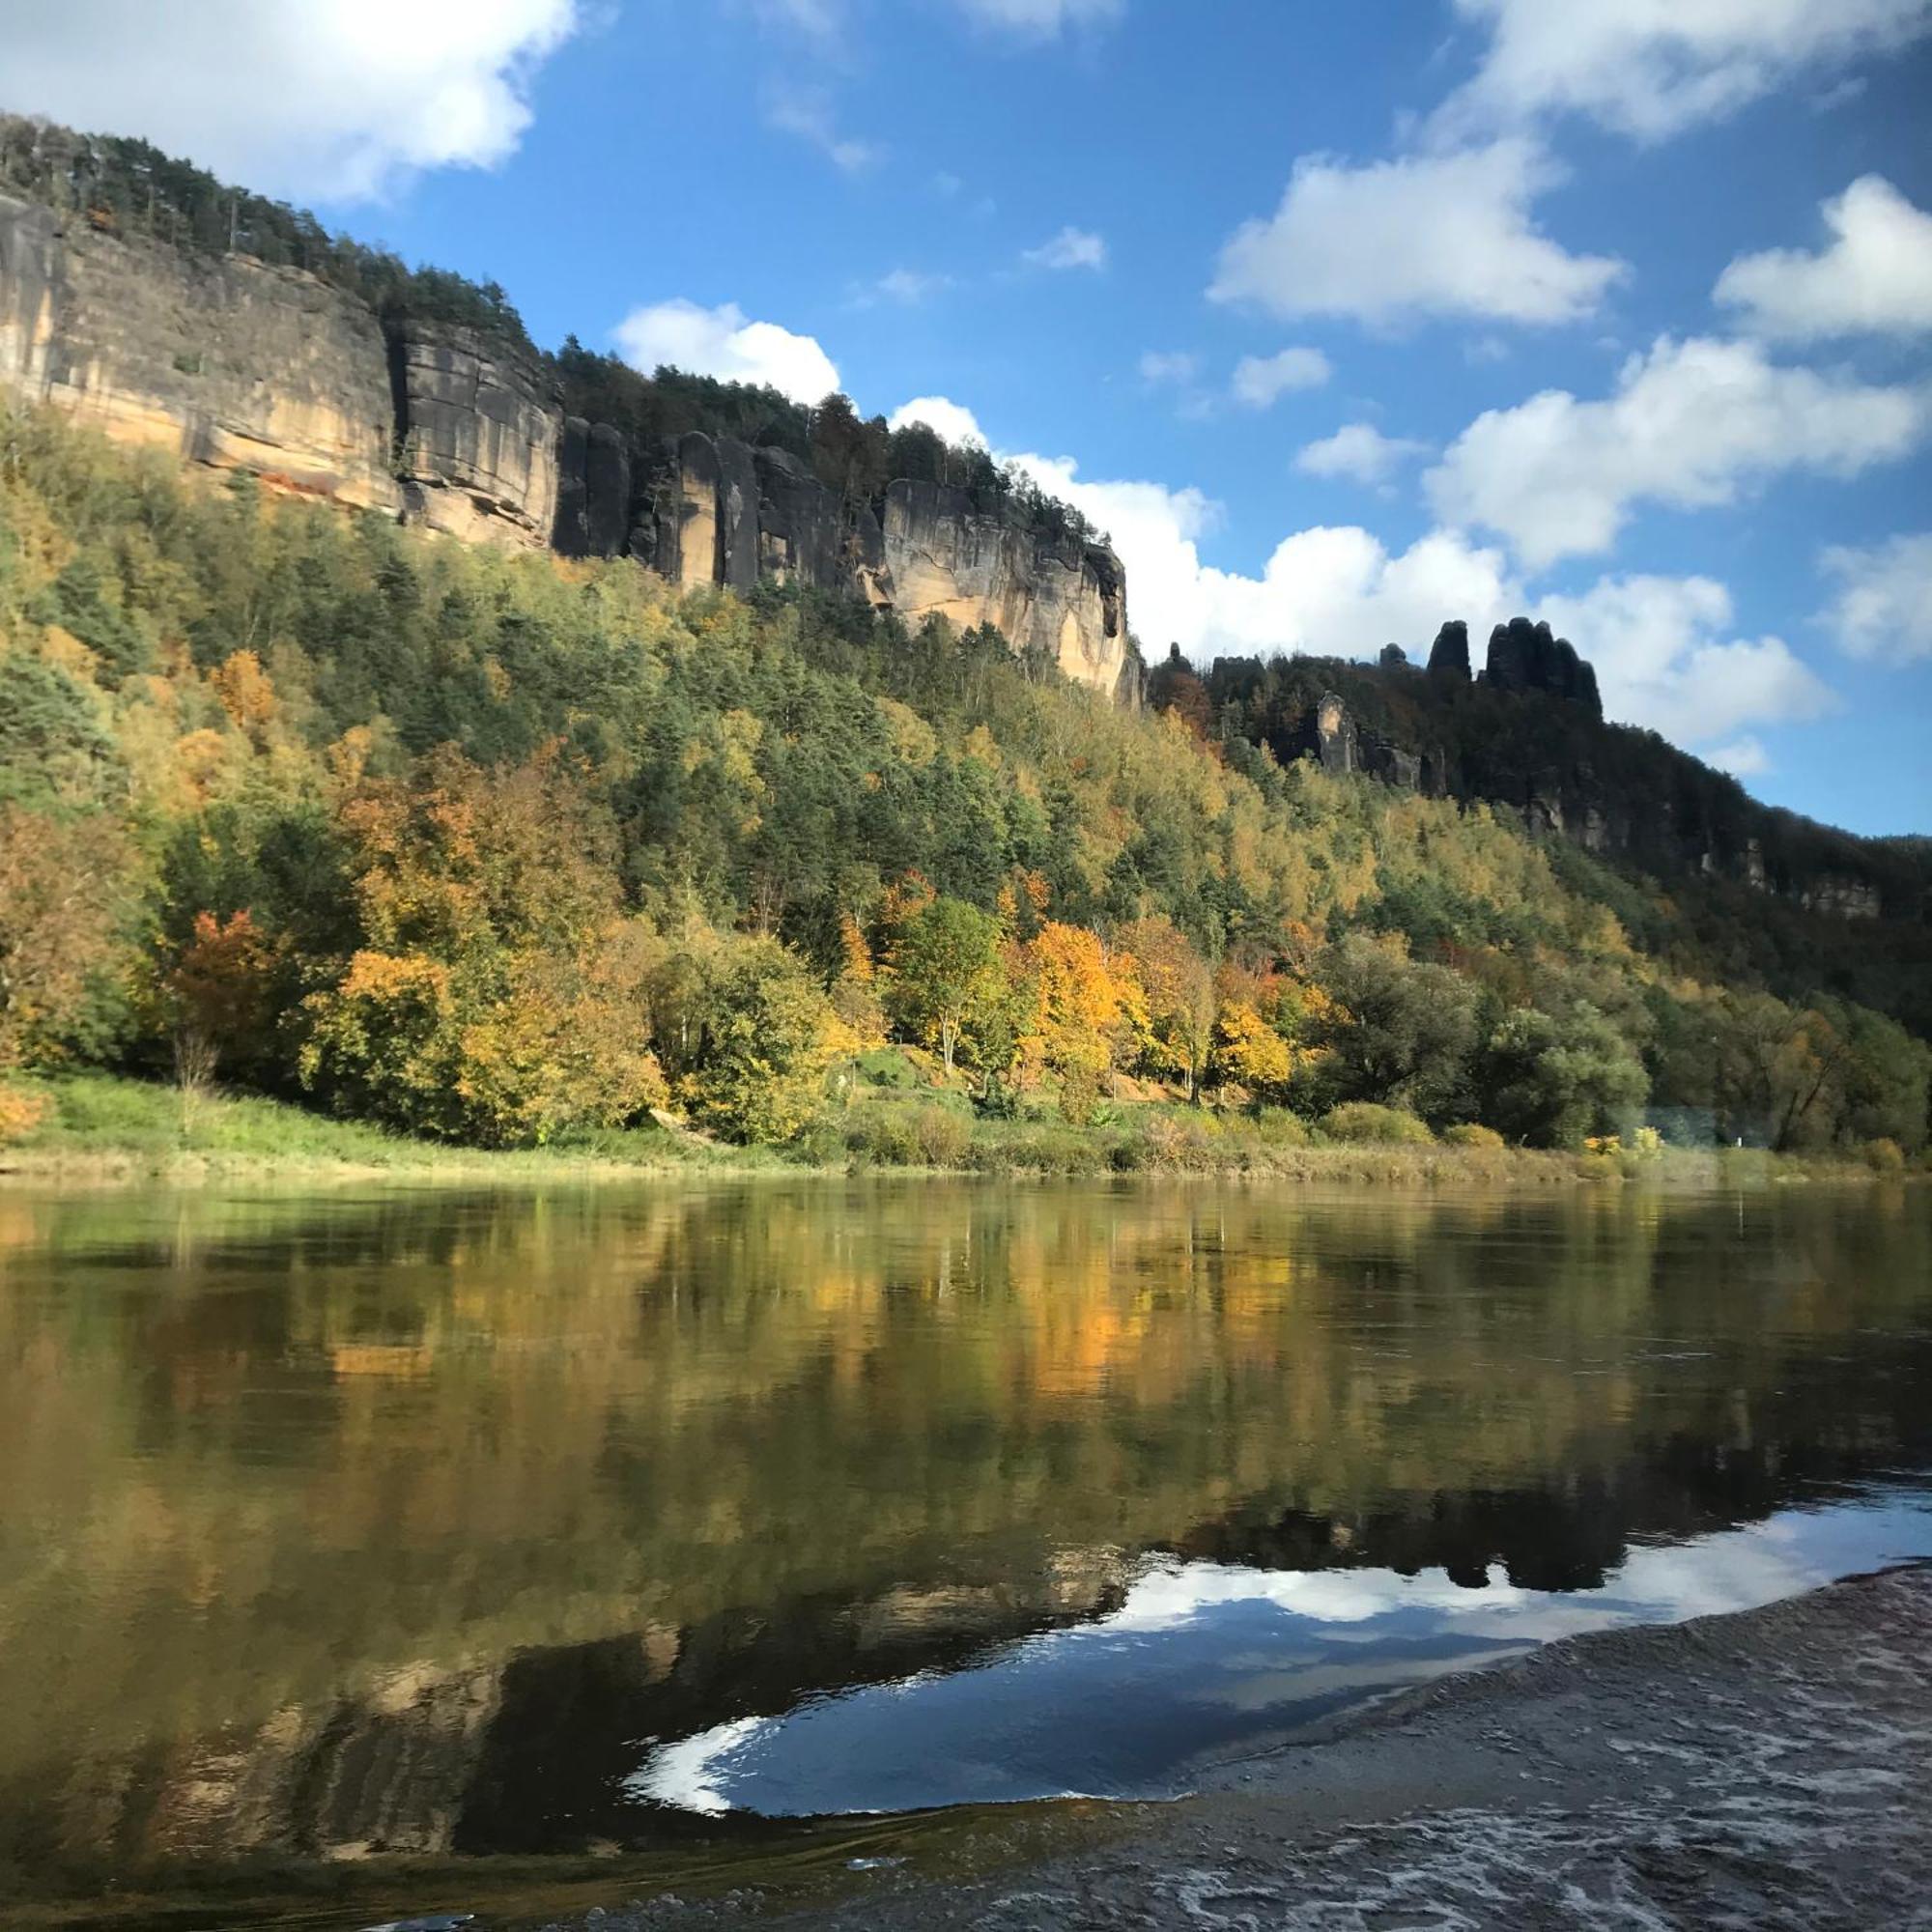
(1342, 319)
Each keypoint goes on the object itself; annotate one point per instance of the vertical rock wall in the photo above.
(219, 360)
(236, 365)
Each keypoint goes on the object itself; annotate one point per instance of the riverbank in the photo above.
(99, 1129)
(1766, 1768)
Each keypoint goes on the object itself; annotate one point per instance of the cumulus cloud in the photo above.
(1691, 425)
(1260, 381)
(719, 342)
(955, 422)
(1359, 453)
(1884, 607)
(1666, 658)
(1875, 278)
(331, 100)
(1071, 248)
(1664, 646)
(1422, 234)
(1650, 69)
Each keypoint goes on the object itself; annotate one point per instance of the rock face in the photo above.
(1449, 654)
(1525, 657)
(1066, 602)
(238, 366)
(220, 362)
(479, 434)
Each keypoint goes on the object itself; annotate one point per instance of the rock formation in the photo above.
(238, 366)
(1525, 657)
(478, 434)
(1449, 654)
(215, 359)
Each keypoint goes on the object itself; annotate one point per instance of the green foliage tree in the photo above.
(1545, 1081)
(940, 962)
(1399, 1030)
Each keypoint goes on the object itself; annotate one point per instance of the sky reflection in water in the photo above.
(1207, 1661)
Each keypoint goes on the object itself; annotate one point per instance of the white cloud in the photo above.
(1175, 366)
(1443, 235)
(1260, 381)
(332, 100)
(719, 342)
(951, 420)
(1359, 453)
(1664, 658)
(908, 287)
(808, 113)
(1663, 645)
(1884, 607)
(1652, 68)
(1042, 19)
(1743, 758)
(1071, 248)
(1876, 277)
(1691, 425)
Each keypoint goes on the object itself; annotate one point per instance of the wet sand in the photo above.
(1768, 1768)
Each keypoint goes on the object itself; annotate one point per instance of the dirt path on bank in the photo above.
(1768, 1770)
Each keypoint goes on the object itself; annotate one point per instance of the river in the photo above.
(555, 1526)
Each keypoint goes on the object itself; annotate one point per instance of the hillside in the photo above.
(497, 847)
(1800, 906)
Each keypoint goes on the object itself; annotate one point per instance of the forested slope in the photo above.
(497, 847)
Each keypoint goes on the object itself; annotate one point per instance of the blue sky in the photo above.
(1342, 320)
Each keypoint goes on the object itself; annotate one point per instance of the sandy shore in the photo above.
(1770, 1769)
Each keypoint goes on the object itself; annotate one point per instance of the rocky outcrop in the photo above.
(1065, 601)
(218, 360)
(232, 364)
(479, 434)
(1527, 657)
(720, 512)
(1449, 654)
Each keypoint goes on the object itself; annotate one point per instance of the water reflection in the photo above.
(1203, 1662)
(406, 1522)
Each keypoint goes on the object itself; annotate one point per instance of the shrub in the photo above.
(940, 1137)
(1277, 1127)
(1468, 1134)
(20, 1113)
(1885, 1156)
(1362, 1121)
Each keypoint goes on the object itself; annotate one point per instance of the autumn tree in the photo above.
(1178, 987)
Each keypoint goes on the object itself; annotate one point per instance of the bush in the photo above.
(1362, 1122)
(1277, 1127)
(1468, 1134)
(20, 1113)
(1885, 1156)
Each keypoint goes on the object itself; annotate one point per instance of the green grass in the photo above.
(903, 1115)
(103, 1123)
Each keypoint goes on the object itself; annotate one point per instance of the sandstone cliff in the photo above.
(220, 360)
(234, 365)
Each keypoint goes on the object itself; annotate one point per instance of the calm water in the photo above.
(448, 1525)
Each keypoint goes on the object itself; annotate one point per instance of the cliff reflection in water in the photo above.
(342, 1524)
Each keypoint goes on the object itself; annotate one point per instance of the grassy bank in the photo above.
(104, 1128)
